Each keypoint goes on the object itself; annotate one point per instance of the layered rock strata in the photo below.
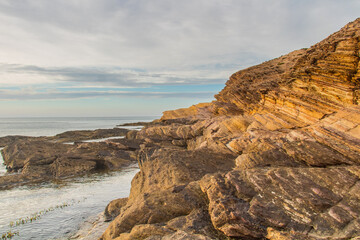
(276, 156)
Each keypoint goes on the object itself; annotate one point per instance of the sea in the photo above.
(49, 126)
(58, 209)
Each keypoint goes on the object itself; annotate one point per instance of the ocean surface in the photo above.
(61, 206)
(54, 125)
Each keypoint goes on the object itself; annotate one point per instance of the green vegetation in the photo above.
(9, 235)
(29, 219)
(37, 215)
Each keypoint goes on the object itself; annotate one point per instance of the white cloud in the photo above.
(34, 94)
(162, 34)
(14, 75)
(52, 49)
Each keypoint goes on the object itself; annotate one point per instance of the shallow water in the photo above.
(103, 139)
(96, 140)
(80, 197)
(85, 197)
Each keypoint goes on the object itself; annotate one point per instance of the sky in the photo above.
(100, 58)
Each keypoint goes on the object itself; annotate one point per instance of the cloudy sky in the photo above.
(141, 57)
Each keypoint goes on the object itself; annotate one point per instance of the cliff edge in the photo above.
(276, 156)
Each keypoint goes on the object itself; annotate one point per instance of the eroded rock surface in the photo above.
(276, 156)
(32, 159)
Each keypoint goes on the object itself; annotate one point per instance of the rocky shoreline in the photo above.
(92, 228)
(39, 159)
(276, 156)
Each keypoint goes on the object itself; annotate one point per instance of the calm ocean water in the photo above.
(84, 197)
(54, 125)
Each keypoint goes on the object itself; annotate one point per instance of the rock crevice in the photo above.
(276, 156)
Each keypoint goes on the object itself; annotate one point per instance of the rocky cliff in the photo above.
(276, 156)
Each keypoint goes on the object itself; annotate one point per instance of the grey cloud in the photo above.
(162, 33)
(108, 76)
(67, 45)
(23, 95)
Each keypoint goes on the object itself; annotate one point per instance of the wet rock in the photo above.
(4, 141)
(136, 124)
(43, 159)
(32, 152)
(91, 229)
(113, 209)
(73, 136)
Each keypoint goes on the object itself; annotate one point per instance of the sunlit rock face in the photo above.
(276, 156)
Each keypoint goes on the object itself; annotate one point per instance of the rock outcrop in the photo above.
(38, 159)
(276, 156)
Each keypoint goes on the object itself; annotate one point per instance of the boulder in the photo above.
(113, 209)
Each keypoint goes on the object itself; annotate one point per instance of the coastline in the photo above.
(275, 156)
(90, 139)
(78, 197)
(72, 153)
(92, 228)
(51, 126)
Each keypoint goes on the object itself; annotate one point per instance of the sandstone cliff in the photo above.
(276, 156)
